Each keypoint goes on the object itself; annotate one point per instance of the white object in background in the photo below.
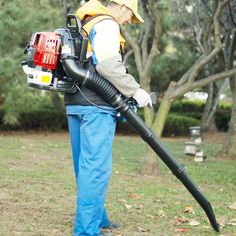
(199, 156)
(190, 148)
(198, 141)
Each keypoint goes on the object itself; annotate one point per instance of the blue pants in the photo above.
(91, 133)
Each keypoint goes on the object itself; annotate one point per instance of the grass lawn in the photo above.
(37, 189)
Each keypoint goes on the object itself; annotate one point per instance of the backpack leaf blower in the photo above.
(55, 62)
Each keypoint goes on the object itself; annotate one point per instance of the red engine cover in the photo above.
(47, 46)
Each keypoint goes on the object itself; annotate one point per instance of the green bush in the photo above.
(195, 109)
(177, 124)
(1, 117)
(43, 119)
(190, 114)
(224, 106)
(223, 119)
(185, 105)
(48, 119)
(184, 114)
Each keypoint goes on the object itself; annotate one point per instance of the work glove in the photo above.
(142, 98)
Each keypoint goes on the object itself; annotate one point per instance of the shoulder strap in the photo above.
(87, 19)
(89, 22)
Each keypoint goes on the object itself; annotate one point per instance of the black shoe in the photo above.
(112, 226)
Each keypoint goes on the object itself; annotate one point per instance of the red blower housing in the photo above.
(43, 66)
(47, 49)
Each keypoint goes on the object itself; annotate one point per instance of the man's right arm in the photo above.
(114, 71)
(105, 41)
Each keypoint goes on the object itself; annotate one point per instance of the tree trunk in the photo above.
(160, 120)
(57, 102)
(64, 7)
(150, 164)
(212, 123)
(207, 108)
(208, 117)
(229, 150)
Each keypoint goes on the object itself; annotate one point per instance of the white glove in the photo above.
(142, 98)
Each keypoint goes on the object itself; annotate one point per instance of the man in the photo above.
(91, 119)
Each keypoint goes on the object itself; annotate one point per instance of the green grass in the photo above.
(37, 194)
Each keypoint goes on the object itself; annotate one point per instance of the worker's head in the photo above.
(125, 11)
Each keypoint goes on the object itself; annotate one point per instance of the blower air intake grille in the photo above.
(47, 46)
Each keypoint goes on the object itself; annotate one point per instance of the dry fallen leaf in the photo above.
(232, 222)
(122, 200)
(181, 220)
(233, 234)
(193, 223)
(233, 206)
(134, 196)
(140, 229)
(177, 203)
(128, 206)
(140, 206)
(150, 216)
(157, 200)
(221, 222)
(188, 209)
(181, 230)
(161, 213)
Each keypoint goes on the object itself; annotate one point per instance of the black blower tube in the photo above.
(113, 96)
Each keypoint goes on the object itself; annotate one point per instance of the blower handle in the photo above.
(73, 23)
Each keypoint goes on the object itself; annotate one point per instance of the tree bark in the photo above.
(160, 119)
(57, 102)
(229, 149)
(149, 165)
(64, 7)
(231, 138)
(208, 117)
(207, 108)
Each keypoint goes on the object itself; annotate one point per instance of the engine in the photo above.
(43, 66)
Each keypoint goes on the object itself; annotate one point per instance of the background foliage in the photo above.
(184, 114)
(24, 108)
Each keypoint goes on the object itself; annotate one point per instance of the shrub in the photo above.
(179, 124)
(176, 124)
(49, 119)
(185, 105)
(184, 114)
(43, 118)
(222, 119)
